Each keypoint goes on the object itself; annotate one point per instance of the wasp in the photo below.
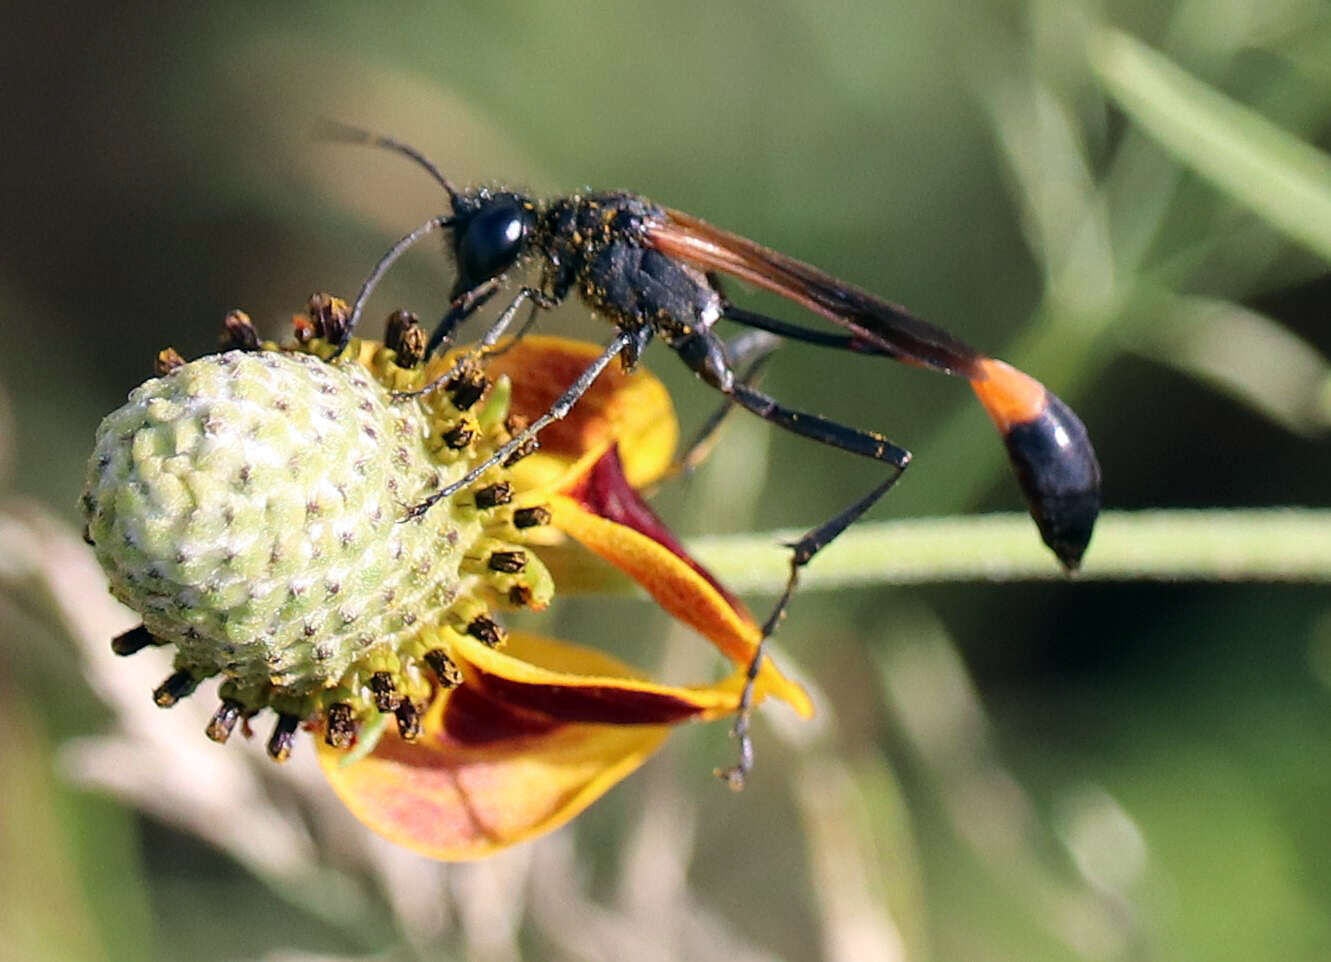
(655, 273)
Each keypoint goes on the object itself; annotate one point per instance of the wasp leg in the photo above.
(748, 354)
(802, 551)
(705, 354)
(483, 347)
(797, 332)
(471, 301)
(1047, 445)
(533, 313)
(464, 306)
(624, 340)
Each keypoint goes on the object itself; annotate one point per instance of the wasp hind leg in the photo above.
(802, 551)
(748, 355)
(1048, 446)
(706, 356)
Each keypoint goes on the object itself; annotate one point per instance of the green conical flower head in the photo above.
(251, 506)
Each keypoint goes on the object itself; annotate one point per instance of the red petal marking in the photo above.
(606, 492)
(474, 717)
(599, 704)
(490, 708)
(461, 802)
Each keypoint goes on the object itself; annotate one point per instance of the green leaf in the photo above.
(1281, 178)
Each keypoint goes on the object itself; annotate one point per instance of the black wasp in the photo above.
(652, 272)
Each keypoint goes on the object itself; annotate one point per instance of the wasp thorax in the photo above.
(249, 506)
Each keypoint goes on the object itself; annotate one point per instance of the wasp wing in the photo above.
(1046, 442)
(882, 326)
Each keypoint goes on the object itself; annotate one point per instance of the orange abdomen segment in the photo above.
(1010, 396)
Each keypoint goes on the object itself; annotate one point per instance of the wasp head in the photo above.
(490, 232)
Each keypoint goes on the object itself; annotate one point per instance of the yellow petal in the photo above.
(498, 763)
(458, 804)
(633, 409)
(678, 588)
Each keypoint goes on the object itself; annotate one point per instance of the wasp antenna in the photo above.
(339, 132)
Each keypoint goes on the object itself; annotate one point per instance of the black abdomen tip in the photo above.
(1058, 473)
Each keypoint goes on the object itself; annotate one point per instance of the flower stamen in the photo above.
(224, 720)
(283, 737)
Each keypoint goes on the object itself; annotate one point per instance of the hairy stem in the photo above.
(1275, 544)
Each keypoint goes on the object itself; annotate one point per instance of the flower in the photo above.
(250, 506)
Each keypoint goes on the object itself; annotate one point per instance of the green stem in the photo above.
(1271, 544)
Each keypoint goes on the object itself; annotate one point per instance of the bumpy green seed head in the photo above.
(250, 506)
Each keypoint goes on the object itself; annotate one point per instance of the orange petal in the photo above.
(633, 409)
(680, 587)
(489, 772)
(602, 488)
(456, 804)
(567, 683)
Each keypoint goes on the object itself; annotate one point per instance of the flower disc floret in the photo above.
(248, 506)
(253, 507)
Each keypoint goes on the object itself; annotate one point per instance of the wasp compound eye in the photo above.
(492, 240)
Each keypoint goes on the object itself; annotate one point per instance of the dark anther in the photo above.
(508, 562)
(408, 716)
(394, 327)
(466, 388)
(444, 668)
(386, 697)
(493, 495)
(223, 720)
(284, 736)
(412, 353)
(519, 595)
(406, 338)
(174, 688)
(458, 437)
(329, 317)
(239, 333)
(340, 726)
(532, 517)
(487, 631)
(168, 359)
(529, 446)
(136, 639)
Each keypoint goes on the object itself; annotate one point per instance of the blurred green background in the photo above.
(1061, 771)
